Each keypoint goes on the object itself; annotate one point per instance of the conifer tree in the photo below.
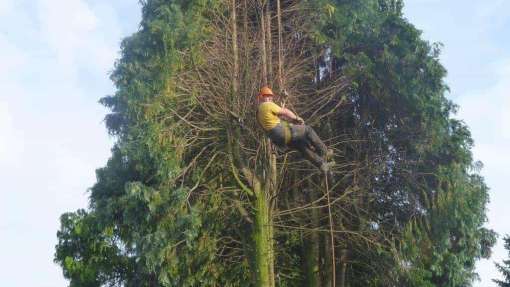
(504, 268)
(194, 195)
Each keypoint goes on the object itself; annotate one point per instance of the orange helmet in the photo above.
(265, 91)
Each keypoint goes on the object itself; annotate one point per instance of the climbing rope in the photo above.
(331, 233)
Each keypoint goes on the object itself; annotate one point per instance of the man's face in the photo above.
(265, 99)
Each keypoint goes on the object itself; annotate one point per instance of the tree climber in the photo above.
(275, 121)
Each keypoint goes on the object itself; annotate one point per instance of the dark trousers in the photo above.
(303, 139)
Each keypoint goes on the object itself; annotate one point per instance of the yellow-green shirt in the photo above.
(267, 115)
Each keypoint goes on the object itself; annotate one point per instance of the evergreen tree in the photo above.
(505, 267)
(194, 196)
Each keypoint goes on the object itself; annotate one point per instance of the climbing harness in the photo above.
(287, 132)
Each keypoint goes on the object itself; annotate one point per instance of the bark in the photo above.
(263, 238)
(331, 235)
(343, 268)
(263, 229)
(263, 44)
(280, 52)
(311, 250)
(269, 43)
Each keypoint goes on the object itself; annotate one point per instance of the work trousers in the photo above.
(303, 139)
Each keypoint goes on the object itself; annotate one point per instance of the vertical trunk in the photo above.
(246, 63)
(331, 236)
(271, 170)
(235, 51)
(263, 238)
(263, 233)
(269, 194)
(311, 250)
(269, 42)
(311, 260)
(280, 51)
(343, 268)
(325, 250)
(263, 43)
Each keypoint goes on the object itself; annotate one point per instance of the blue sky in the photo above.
(476, 53)
(55, 56)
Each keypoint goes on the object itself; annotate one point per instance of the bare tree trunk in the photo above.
(325, 260)
(263, 233)
(235, 50)
(263, 43)
(311, 249)
(281, 83)
(331, 235)
(343, 267)
(269, 42)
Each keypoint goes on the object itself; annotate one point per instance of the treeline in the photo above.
(194, 195)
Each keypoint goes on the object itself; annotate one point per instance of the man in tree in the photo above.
(276, 122)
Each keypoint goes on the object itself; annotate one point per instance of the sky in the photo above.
(476, 53)
(55, 58)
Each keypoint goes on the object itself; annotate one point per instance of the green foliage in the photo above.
(154, 233)
(161, 216)
(504, 268)
(89, 253)
(428, 186)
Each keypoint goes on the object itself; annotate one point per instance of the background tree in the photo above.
(504, 268)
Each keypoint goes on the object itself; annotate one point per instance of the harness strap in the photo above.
(287, 132)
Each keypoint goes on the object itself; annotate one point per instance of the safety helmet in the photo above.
(265, 91)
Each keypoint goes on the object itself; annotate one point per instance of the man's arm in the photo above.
(290, 116)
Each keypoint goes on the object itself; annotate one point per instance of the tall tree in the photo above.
(193, 197)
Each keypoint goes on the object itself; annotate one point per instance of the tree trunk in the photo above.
(343, 267)
(269, 43)
(325, 250)
(263, 44)
(311, 250)
(263, 238)
(331, 235)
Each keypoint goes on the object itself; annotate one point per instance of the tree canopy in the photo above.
(194, 195)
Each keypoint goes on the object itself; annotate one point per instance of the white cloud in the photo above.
(503, 90)
(492, 12)
(66, 26)
(53, 69)
(487, 114)
(488, 110)
(11, 143)
(5, 5)
(12, 62)
(82, 35)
